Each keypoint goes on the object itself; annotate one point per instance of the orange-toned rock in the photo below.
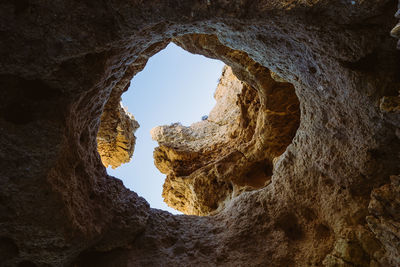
(214, 160)
(116, 139)
(330, 200)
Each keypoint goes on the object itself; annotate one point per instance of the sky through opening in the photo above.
(175, 86)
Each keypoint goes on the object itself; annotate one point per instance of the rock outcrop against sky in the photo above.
(215, 160)
(115, 138)
(307, 176)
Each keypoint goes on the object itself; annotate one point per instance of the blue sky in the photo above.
(175, 86)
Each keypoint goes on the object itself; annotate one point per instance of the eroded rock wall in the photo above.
(185, 152)
(60, 61)
(115, 138)
(384, 219)
(188, 155)
(212, 161)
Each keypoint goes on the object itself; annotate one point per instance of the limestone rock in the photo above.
(187, 154)
(329, 201)
(116, 139)
(231, 152)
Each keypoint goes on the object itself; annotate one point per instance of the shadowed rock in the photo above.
(60, 62)
(212, 161)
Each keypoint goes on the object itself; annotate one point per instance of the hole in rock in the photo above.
(206, 151)
(174, 87)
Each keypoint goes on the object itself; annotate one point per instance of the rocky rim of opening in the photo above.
(232, 151)
(333, 198)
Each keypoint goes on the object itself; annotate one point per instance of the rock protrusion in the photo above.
(61, 60)
(116, 139)
(214, 160)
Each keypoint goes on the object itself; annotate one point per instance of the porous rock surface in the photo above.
(384, 218)
(183, 150)
(331, 200)
(212, 161)
(115, 138)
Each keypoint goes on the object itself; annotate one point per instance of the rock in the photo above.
(212, 161)
(390, 104)
(115, 138)
(330, 200)
(276, 77)
(395, 32)
(384, 219)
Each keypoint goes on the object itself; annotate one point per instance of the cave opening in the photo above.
(333, 193)
(216, 155)
(175, 87)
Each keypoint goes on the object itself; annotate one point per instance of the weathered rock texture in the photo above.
(214, 160)
(384, 220)
(115, 138)
(59, 63)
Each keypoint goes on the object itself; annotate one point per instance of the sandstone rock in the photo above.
(60, 62)
(115, 139)
(384, 219)
(216, 159)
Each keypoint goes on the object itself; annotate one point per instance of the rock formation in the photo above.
(216, 159)
(332, 199)
(115, 138)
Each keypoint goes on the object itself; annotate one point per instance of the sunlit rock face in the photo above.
(331, 199)
(185, 150)
(115, 138)
(214, 160)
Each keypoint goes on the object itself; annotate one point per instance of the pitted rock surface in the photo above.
(216, 159)
(61, 60)
(115, 138)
